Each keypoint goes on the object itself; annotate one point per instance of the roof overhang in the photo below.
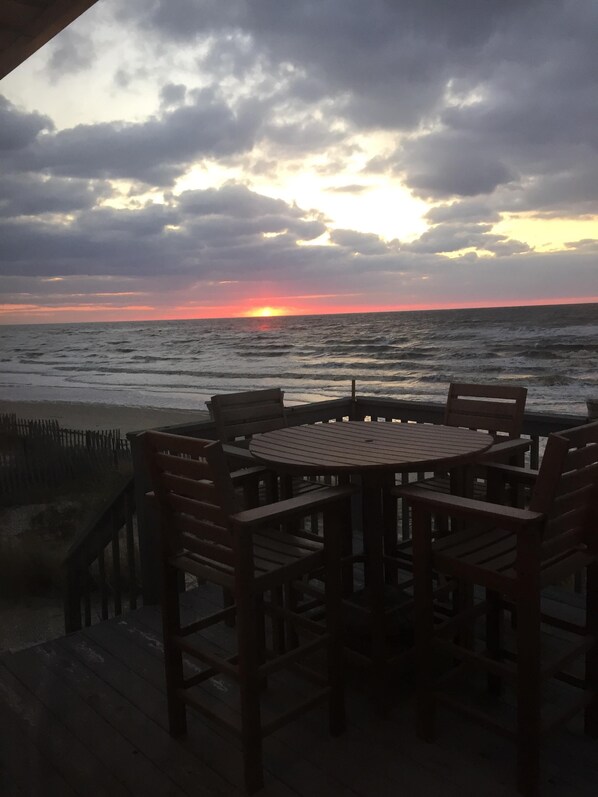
(26, 25)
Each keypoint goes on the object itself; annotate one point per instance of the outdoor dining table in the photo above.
(373, 451)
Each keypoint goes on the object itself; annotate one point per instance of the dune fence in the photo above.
(36, 456)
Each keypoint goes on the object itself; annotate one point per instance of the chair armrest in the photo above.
(292, 507)
(504, 450)
(239, 477)
(242, 455)
(507, 517)
(245, 464)
(514, 473)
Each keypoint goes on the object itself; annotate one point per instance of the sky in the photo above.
(202, 158)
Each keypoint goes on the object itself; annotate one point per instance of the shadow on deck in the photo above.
(86, 715)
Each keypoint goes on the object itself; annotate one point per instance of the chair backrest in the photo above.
(194, 495)
(241, 415)
(566, 489)
(497, 409)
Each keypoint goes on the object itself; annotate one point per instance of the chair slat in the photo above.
(176, 465)
(203, 490)
(201, 511)
(211, 550)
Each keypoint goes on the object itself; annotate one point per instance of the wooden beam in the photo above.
(27, 25)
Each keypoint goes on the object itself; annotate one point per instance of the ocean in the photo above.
(552, 350)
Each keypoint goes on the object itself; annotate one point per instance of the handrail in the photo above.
(94, 563)
(115, 529)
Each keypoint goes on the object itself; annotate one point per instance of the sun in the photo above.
(265, 312)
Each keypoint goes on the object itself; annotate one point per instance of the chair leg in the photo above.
(424, 623)
(591, 713)
(390, 521)
(228, 600)
(333, 597)
(347, 544)
(248, 617)
(288, 633)
(493, 637)
(277, 597)
(462, 602)
(173, 659)
(528, 692)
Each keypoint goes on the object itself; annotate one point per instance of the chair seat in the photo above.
(488, 558)
(442, 484)
(284, 555)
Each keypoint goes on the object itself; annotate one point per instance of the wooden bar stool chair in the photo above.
(517, 555)
(239, 416)
(203, 533)
(496, 409)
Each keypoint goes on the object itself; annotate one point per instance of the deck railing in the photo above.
(118, 530)
(102, 565)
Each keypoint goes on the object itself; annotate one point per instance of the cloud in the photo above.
(216, 232)
(482, 110)
(19, 128)
(352, 188)
(358, 242)
(466, 211)
(34, 195)
(71, 52)
(155, 151)
(482, 97)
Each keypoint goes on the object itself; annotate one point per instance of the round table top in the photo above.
(355, 446)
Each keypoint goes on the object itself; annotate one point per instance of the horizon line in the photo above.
(419, 309)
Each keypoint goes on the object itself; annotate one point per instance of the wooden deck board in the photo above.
(86, 715)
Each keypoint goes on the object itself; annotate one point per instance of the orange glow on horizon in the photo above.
(36, 313)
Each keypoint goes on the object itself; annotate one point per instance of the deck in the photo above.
(86, 715)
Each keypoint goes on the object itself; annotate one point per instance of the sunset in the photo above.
(305, 161)
(298, 398)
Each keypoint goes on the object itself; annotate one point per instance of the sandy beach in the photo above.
(100, 416)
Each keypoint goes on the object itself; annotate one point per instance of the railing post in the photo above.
(353, 401)
(72, 598)
(147, 531)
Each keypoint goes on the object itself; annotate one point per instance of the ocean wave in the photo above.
(539, 354)
(411, 355)
(554, 380)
